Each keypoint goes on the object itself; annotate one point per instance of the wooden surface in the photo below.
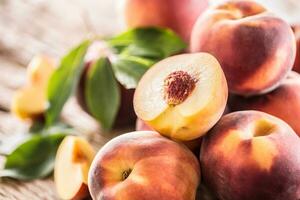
(30, 27)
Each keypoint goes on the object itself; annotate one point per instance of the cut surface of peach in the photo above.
(183, 96)
(72, 163)
(40, 70)
(29, 102)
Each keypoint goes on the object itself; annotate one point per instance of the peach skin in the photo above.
(284, 102)
(183, 96)
(251, 155)
(179, 16)
(297, 61)
(72, 162)
(255, 48)
(144, 166)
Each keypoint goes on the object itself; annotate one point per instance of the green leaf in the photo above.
(64, 81)
(148, 42)
(34, 158)
(102, 93)
(130, 69)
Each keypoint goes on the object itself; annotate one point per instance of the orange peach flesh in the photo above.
(251, 151)
(198, 106)
(72, 163)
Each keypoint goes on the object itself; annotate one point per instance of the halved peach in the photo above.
(182, 96)
(40, 70)
(72, 163)
(29, 103)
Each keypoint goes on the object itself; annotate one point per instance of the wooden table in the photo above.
(30, 27)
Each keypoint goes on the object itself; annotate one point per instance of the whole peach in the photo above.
(251, 155)
(297, 61)
(179, 16)
(144, 166)
(284, 102)
(255, 48)
(126, 115)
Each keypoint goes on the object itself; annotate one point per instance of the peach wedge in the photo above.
(182, 96)
(72, 163)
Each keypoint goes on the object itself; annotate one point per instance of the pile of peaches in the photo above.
(219, 122)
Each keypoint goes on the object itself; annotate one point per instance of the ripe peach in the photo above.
(183, 96)
(72, 163)
(251, 155)
(144, 165)
(179, 16)
(297, 61)
(255, 48)
(284, 102)
(126, 115)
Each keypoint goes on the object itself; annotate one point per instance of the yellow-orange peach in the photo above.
(251, 155)
(183, 96)
(178, 15)
(144, 165)
(255, 48)
(284, 102)
(30, 101)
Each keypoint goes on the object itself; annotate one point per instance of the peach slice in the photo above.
(40, 70)
(30, 101)
(72, 163)
(183, 96)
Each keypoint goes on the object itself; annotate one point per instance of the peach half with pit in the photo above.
(182, 96)
(251, 155)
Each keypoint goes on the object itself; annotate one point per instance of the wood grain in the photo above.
(30, 27)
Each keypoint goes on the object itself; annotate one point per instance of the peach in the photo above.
(284, 102)
(182, 96)
(179, 16)
(30, 101)
(255, 48)
(126, 115)
(204, 194)
(193, 145)
(251, 155)
(144, 165)
(297, 61)
(72, 163)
